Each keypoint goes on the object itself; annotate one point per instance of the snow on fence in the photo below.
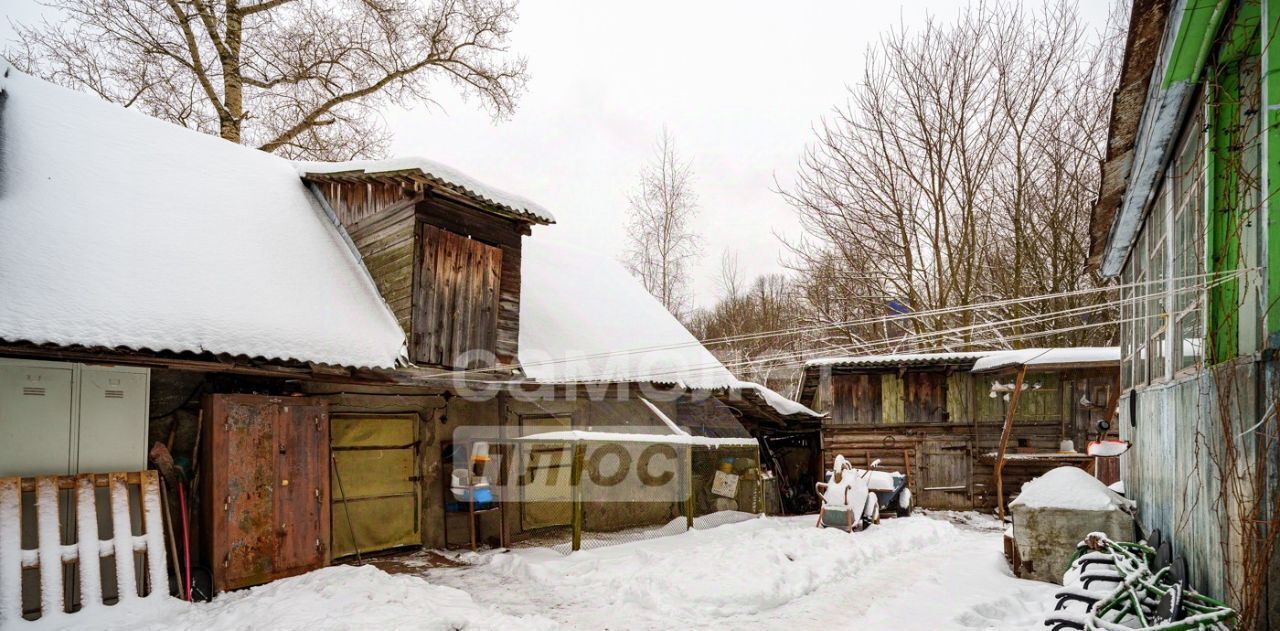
(51, 554)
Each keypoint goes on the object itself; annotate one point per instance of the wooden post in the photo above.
(1004, 440)
(906, 458)
(687, 471)
(504, 471)
(575, 478)
(1113, 402)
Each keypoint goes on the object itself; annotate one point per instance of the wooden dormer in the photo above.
(445, 255)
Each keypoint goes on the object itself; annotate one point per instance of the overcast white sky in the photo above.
(739, 84)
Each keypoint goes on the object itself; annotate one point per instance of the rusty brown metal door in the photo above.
(302, 482)
(248, 497)
(267, 497)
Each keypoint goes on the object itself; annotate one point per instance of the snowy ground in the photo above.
(923, 572)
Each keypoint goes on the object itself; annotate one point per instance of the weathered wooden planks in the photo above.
(456, 296)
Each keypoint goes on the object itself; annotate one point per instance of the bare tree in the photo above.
(301, 78)
(960, 171)
(750, 327)
(661, 238)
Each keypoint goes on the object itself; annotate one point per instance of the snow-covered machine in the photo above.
(852, 498)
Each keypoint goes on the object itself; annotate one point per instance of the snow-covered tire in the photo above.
(903, 506)
(871, 512)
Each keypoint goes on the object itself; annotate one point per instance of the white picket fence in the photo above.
(51, 554)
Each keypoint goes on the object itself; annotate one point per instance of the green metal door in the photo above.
(374, 482)
(546, 490)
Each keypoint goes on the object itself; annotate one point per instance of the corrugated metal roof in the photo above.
(416, 171)
(906, 359)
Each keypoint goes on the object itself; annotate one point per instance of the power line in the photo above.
(1221, 277)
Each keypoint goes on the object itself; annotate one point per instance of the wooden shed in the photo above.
(935, 417)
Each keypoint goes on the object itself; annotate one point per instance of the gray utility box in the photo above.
(63, 418)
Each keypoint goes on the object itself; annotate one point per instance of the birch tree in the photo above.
(660, 215)
(300, 78)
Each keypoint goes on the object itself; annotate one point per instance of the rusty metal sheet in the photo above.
(302, 482)
(248, 501)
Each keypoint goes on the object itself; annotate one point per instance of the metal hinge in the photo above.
(226, 504)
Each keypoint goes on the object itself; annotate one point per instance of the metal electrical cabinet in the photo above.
(266, 503)
(63, 418)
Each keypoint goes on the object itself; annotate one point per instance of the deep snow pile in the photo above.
(1068, 488)
(334, 598)
(911, 573)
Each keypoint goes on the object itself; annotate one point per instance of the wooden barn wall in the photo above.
(1169, 471)
(857, 399)
(355, 201)
(385, 241)
(493, 231)
(455, 294)
(891, 405)
(959, 396)
(942, 445)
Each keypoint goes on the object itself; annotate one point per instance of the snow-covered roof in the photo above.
(981, 360)
(120, 230)
(578, 435)
(435, 172)
(782, 405)
(1033, 357)
(583, 318)
(903, 359)
(1069, 488)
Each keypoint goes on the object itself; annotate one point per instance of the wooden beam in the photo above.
(575, 478)
(1004, 440)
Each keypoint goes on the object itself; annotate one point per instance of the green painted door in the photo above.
(546, 490)
(374, 482)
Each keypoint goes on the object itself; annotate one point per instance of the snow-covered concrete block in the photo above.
(1055, 511)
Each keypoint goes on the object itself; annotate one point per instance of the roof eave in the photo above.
(1147, 25)
(419, 180)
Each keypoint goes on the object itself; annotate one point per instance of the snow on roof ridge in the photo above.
(780, 404)
(119, 230)
(435, 169)
(988, 359)
(1050, 356)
